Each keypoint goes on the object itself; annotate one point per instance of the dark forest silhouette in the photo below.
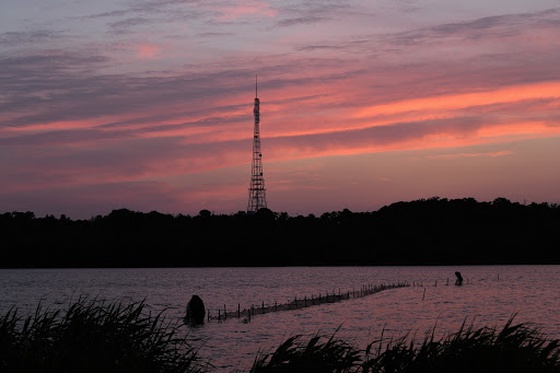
(434, 231)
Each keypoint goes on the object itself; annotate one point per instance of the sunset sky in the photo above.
(147, 104)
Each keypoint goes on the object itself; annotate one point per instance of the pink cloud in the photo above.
(244, 9)
(148, 51)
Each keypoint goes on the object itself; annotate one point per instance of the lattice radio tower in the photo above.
(257, 192)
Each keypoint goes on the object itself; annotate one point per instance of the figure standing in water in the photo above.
(195, 311)
(459, 280)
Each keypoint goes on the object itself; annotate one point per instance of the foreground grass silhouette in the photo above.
(93, 336)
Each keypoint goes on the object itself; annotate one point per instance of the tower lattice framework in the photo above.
(257, 191)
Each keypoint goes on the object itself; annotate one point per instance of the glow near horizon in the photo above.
(148, 105)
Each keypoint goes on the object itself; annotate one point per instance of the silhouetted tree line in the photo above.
(434, 231)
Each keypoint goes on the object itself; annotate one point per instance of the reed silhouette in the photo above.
(94, 336)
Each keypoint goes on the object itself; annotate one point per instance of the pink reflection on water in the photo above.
(434, 304)
(489, 297)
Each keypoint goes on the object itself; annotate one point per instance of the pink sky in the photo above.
(147, 105)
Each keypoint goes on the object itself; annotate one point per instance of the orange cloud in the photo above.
(466, 100)
(501, 153)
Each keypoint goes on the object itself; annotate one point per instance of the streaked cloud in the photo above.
(501, 153)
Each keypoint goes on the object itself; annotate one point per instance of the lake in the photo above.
(489, 296)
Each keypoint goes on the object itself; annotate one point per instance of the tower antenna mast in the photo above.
(257, 191)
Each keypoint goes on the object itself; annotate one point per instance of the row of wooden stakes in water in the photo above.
(223, 314)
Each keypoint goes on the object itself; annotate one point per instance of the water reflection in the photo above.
(489, 296)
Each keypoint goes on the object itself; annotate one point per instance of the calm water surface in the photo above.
(489, 297)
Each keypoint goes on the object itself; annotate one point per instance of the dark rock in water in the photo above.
(459, 280)
(195, 311)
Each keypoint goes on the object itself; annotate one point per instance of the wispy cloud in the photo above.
(19, 38)
(125, 25)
